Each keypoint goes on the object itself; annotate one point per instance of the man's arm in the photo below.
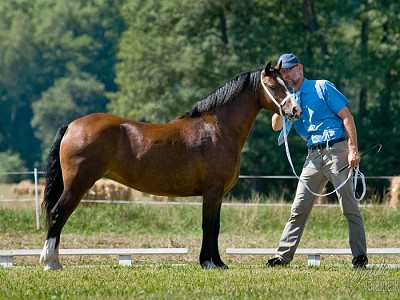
(350, 127)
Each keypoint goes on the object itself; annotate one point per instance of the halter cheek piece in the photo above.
(288, 95)
(279, 105)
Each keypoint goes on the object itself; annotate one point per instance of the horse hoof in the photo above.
(208, 264)
(55, 265)
(52, 267)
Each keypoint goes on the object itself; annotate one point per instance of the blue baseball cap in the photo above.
(288, 60)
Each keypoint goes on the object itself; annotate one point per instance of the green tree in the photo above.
(41, 41)
(18, 70)
(379, 112)
(175, 53)
(82, 33)
(11, 163)
(72, 96)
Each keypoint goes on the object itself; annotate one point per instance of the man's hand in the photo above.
(353, 158)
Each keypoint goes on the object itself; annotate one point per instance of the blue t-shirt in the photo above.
(320, 102)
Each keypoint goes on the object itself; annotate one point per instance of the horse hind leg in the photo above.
(50, 253)
(58, 217)
(49, 256)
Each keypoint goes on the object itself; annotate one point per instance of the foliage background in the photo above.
(152, 60)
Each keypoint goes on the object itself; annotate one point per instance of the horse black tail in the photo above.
(54, 181)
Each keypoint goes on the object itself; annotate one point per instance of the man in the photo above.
(328, 127)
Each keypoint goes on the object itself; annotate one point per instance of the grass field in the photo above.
(180, 277)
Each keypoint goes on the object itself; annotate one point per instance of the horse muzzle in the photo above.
(294, 114)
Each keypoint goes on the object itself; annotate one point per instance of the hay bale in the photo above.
(106, 189)
(159, 198)
(26, 188)
(394, 192)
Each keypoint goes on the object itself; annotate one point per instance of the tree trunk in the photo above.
(364, 70)
(311, 24)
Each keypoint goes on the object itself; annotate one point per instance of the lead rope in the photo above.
(357, 171)
(364, 190)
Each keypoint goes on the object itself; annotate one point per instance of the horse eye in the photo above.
(272, 86)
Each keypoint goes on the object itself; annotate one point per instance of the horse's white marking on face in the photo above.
(282, 83)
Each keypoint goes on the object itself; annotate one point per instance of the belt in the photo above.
(323, 146)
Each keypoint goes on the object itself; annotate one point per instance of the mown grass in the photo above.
(242, 281)
(106, 226)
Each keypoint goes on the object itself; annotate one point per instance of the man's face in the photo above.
(292, 75)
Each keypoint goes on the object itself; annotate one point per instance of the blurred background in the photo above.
(151, 61)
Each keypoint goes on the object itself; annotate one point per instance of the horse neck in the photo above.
(238, 117)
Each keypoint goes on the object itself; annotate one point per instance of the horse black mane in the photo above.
(226, 92)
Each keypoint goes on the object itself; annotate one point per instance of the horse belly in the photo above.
(161, 185)
(174, 174)
(160, 176)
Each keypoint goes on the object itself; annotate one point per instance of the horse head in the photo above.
(277, 97)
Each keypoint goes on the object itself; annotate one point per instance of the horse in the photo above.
(197, 154)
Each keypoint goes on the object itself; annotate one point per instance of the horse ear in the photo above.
(280, 65)
(267, 68)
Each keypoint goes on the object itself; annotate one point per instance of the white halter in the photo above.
(288, 95)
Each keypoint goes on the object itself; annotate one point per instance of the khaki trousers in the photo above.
(320, 166)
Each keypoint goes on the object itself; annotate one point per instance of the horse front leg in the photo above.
(209, 254)
(216, 258)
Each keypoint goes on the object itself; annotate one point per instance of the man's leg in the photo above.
(301, 206)
(354, 219)
(347, 201)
